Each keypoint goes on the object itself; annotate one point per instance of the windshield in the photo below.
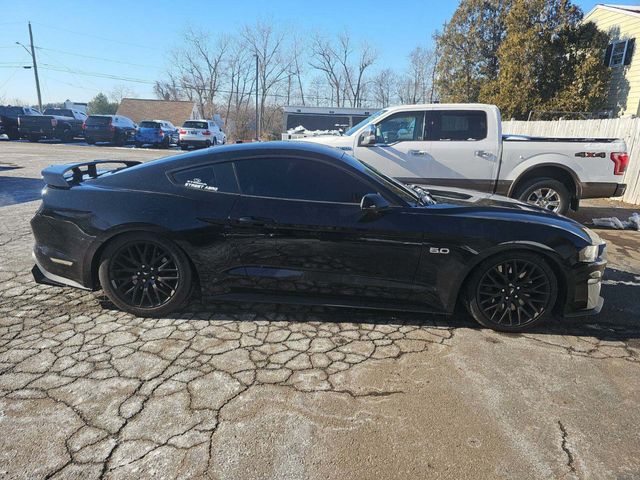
(11, 111)
(400, 189)
(369, 119)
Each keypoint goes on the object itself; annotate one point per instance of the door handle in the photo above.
(418, 153)
(483, 154)
(256, 221)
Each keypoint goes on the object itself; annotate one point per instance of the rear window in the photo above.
(63, 112)
(149, 125)
(457, 125)
(11, 111)
(98, 120)
(192, 124)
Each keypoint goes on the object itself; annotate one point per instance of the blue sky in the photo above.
(138, 36)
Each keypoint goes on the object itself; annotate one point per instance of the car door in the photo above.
(400, 149)
(311, 236)
(464, 149)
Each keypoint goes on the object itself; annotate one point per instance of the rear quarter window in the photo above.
(457, 125)
(192, 124)
(217, 177)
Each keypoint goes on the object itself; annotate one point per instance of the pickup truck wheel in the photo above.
(512, 292)
(67, 136)
(546, 193)
(34, 138)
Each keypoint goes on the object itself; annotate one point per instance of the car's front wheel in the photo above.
(145, 275)
(512, 292)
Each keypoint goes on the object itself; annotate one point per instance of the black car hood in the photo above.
(487, 205)
(464, 197)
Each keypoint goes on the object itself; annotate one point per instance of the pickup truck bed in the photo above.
(51, 125)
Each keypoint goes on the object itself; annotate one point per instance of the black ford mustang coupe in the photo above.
(300, 223)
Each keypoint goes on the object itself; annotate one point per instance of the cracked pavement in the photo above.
(267, 391)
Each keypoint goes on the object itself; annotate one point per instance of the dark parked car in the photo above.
(157, 133)
(56, 123)
(302, 223)
(9, 120)
(114, 129)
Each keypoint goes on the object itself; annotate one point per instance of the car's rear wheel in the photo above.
(145, 275)
(512, 292)
(119, 139)
(90, 140)
(34, 138)
(546, 193)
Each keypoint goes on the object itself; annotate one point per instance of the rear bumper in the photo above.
(100, 136)
(60, 252)
(602, 190)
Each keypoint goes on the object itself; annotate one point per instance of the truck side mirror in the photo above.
(368, 137)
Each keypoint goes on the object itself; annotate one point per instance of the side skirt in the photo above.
(323, 301)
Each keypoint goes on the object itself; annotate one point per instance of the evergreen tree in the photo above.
(100, 105)
(548, 61)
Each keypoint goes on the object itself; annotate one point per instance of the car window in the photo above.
(195, 124)
(218, 177)
(96, 120)
(299, 179)
(401, 127)
(457, 125)
(149, 125)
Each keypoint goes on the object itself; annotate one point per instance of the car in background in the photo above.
(56, 123)
(159, 133)
(201, 134)
(114, 129)
(9, 119)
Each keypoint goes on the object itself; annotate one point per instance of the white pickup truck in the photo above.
(462, 145)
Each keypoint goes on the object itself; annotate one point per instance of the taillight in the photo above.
(54, 122)
(620, 162)
(182, 132)
(84, 125)
(206, 132)
(161, 133)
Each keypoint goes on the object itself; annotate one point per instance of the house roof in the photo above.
(633, 10)
(138, 109)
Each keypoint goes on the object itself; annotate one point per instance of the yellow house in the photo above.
(622, 23)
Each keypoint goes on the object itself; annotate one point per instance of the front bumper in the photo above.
(583, 290)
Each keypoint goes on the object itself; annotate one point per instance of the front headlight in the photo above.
(589, 253)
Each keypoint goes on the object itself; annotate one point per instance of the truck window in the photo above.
(457, 125)
(401, 127)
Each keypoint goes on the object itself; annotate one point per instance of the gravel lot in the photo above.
(262, 391)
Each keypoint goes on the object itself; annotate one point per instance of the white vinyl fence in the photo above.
(626, 128)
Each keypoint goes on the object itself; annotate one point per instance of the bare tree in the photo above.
(120, 91)
(169, 89)
(345, 75)
(384, 86)
(416, 84)
(263, 40)
(240, 88)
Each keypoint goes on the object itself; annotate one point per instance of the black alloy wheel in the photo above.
(145, 275)
(512, 292)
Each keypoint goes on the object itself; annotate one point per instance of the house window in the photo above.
(619, 53)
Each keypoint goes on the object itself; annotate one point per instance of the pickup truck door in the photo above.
(464, 149)
(400, 148)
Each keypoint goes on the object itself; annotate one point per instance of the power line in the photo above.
(129, 44)
(99, 58)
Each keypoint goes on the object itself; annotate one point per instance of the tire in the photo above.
(13, 135)
(90, 141)
(138, 144)
(34, 138)
(207, 144)
(67, 136)
(512, 292)
(166, 142)
(184, 147)
(215, 141)
(547, 193)
(119, 139)
(124, 256)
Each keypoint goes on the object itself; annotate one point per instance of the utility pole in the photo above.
(35, 68)
(257, 106)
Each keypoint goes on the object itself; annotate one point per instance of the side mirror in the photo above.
(374, 203)
(368, 137)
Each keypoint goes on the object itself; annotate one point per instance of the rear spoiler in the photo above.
(57, 175)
